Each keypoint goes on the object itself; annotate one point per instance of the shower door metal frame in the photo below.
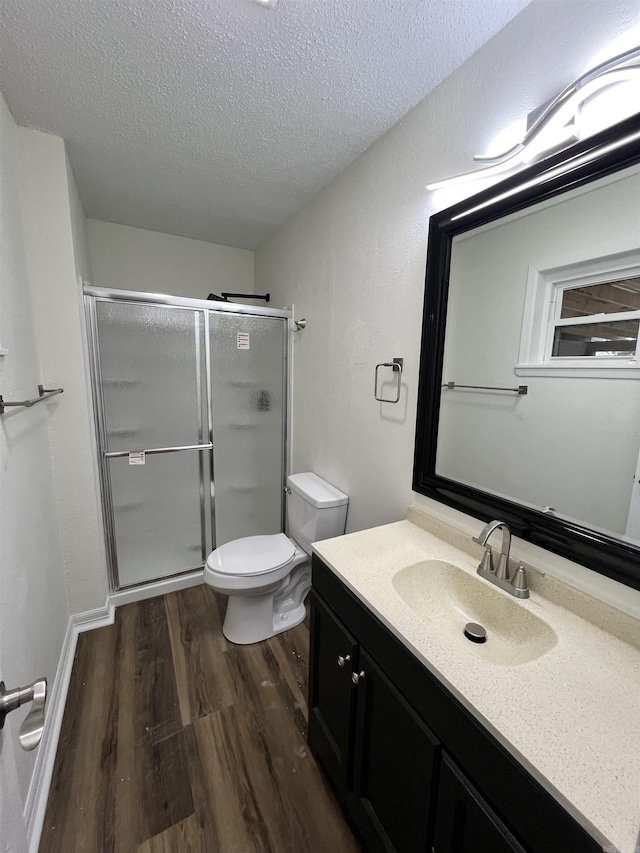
(92, 295)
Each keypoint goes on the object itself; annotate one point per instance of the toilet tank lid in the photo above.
(316, 491)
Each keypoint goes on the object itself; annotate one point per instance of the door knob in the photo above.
(357, 677)
(32, 726)
(342, 659)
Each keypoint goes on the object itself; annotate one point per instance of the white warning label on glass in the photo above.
(242, 339)
(136, 458)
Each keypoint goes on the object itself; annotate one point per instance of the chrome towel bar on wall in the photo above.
(43, 394)
(396, 365)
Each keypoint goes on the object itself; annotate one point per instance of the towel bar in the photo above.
(43, 394)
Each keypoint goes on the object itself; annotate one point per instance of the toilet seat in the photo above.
(252, 556)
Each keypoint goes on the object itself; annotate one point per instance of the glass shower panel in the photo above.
(153, 375)
(248, 359)
(157, 515)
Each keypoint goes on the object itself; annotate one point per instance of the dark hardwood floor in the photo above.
(176, 741)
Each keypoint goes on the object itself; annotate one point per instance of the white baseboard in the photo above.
(91, 619)
(161, 587)
(36, 803)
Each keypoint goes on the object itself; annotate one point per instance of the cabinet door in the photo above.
(333, 652)
(464, 821)
(395, 758)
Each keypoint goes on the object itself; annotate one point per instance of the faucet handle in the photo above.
(519, 582)
(486, 563)
(529, 568)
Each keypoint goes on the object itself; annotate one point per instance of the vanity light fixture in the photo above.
(561, 121)
(563, 167)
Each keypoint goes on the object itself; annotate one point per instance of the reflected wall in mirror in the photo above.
(534, 286)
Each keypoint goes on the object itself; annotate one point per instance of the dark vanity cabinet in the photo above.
(376, 750)
(413, 769)
(332, 695)
(465, 822)
(395, 762)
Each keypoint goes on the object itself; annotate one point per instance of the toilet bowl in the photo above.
(267, 578)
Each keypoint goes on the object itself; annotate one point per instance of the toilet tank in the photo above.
(315, 509)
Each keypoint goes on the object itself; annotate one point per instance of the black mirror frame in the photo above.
(610, 151)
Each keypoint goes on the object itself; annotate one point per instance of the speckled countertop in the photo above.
(572, 716)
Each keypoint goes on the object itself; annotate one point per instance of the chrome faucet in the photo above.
(501, 571)
(499, 575)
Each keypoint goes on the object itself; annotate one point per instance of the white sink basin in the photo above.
(447, 597)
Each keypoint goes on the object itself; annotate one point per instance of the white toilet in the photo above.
(267, 578)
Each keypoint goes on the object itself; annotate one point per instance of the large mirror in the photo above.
(529, 401)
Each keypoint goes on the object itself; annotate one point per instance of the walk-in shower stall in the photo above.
(190, 399)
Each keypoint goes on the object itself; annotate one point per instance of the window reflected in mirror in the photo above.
(584, 334)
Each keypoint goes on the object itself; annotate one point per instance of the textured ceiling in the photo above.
(218, 119)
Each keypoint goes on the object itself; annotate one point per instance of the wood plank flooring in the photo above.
(176, 741)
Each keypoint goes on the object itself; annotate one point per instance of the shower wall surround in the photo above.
(191, 413)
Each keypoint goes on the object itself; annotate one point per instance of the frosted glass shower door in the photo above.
(153, 384)
(156, 513)
(248, 368)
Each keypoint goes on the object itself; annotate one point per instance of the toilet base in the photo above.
(254, 618)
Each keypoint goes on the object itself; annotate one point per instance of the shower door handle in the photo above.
(33, 725)
(115, 454)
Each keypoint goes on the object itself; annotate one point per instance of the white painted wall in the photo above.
(136, 259)
(571, 442)
(53, 225)
(79, 229)
(34, 611)
(353, 260)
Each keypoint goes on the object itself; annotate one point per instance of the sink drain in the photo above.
(474, 632)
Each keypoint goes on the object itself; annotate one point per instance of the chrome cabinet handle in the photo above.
(357, 677)
(342, 659)
(33, 725)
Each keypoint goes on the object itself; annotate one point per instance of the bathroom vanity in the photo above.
(525, 743)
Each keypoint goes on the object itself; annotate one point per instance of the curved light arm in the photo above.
(556, 115)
